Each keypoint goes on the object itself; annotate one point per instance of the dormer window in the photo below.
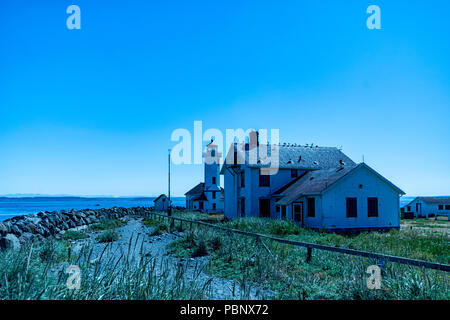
(294, 173)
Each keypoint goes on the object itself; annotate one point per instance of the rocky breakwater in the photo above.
(21, 229)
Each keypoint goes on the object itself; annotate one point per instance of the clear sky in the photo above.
(91, 111)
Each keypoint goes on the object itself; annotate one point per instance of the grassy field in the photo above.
(283, 268)
(436, 225)
(38, 271)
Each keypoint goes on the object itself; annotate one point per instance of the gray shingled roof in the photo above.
(197, 190)
(435, 200)
(162, 195)
(317, 181)
(301, 157)
(313, 182)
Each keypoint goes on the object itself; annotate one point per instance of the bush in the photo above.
(108, 236)
(216, 243)
(159, 229)
(150, 222)
(74, 235)
(107, 224)
(201, 249)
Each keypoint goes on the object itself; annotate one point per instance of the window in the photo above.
(311, 207)
(200, 205)
(277, 208)
(242, 207)
(213, 194)
(409, 209)
(441, 207)
(297, 212)
(214, 206)
(242, 179)
(351, 208)
(294, 173)
(213, 180)
(264, 179)
(447, 207)
(372, 207)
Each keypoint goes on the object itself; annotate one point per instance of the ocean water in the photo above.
(405, 200)
(10, 207)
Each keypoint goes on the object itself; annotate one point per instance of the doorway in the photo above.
(298, 212)
(264, 208)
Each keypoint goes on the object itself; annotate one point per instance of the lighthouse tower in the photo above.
(212, 176)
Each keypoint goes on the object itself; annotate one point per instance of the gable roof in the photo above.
(316, 182)
(161, 196)
(295, 157)
(200, 197)
(432, 200)
(198, 189)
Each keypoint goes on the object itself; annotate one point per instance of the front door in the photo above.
(298, 212)
(200, 205)
(264, 208)
(419, 209)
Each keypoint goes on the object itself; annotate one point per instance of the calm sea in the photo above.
(10, 207)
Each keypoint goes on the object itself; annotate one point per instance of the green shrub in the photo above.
(150, 222)
(74, 235)
(200, 250)
(108, 236)
(159, 229)
(107, 224)
(216, 243)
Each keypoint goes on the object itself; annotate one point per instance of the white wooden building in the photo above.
(317, 187)
(161, 203)
(208, 196)
(429, 206)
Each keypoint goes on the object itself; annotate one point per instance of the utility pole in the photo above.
(169, 207)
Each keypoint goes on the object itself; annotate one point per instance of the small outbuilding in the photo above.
(161, 203)
(428, 206)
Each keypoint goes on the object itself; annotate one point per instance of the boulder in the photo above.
(10, 241)
(26, 237)
(3, 229)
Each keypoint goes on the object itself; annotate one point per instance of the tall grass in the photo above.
(39, 272)
(282, 268)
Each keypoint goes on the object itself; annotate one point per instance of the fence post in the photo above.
(308, 255)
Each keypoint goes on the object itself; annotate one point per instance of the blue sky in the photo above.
(91, 111)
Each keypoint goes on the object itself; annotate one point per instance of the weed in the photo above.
(74, 235)
(108, 236)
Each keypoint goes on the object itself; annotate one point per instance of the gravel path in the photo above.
(155, 246)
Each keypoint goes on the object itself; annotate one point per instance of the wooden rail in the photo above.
(380, 257)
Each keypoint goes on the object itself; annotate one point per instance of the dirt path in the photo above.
(135, 235)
